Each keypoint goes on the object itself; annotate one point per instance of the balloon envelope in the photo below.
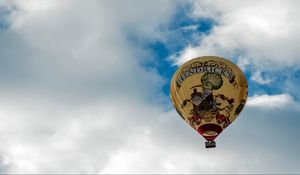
(209, 93)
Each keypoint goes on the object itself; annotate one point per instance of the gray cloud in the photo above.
(73, 90)
(58, 51)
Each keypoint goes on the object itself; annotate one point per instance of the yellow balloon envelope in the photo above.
(209, 93)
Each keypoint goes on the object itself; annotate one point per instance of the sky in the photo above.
(84, 85)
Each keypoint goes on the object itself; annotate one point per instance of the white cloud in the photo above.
(41, 139)
(264, 32)
(73, 88)
(63, 51)
(271, 101)
(257, 76)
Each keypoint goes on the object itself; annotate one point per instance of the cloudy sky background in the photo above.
(84, 85)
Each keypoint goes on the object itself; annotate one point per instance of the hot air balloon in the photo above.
(209, 93)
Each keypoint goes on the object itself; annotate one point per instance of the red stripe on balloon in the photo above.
(210, 127)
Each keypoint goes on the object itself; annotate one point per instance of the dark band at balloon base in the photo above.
(206, 129)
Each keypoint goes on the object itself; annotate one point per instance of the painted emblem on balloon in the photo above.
(207, 106)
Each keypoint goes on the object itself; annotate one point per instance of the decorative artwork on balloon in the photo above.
(208, 93)
(206, 105)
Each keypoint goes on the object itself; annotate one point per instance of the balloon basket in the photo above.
(210, 144)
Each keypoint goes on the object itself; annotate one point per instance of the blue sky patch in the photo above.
(282, 81)
(5, 12)
(181, 32)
